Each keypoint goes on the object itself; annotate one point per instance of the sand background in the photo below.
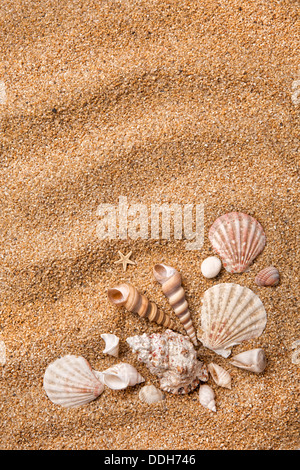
(179, 102)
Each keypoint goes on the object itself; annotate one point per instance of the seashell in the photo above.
(172, 357)
(2, 353)
(150, 394)
(238, 238)
(128, 296)
(120, 376)
(207, 397)
(296, 354)
(253, 360)
(230, 314)
(211, 266)
(219, 375)
(268, 276)
(70, 381)
(111, 344)
(170, 280)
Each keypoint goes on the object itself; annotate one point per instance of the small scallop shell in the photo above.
(253, 360)
(150, 394)
(120, 376)
(219, 375)
(70, 381)
(207, 397)
(268, 276)
(111, 344)
(211, 266)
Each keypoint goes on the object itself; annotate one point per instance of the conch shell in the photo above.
(253, 360)
(111, 344)
(128, 296)
(150, 394)
(120, 376)
(207, 397)
(170, 280)
(268, 276)
(219, 375)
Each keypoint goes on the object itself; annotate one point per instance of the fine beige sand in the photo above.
(191, 102)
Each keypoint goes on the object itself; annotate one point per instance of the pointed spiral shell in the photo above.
(220, 376)
(207, 397)
(120, 376)
(253, 360)
(268, 276)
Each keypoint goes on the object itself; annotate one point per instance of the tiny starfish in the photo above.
(124, 260)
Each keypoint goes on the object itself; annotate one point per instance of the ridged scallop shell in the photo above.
(120, 376)
(70, 381)
(238, 238)
(128, 296)
(207, 397)
(111, 344)
(170, 280)
(150, 394)
(230, 314)
(253, 360)
(220, 376)
(268, 276)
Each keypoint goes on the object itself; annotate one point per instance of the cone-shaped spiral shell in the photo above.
(238, 238)
(70, 381)
(150, 394)
(170, 280)
(253, 360)
(120, 376)
(268, 276)
(219, 375)
(111, 344)
(128, 296)
(230, 314)
(207, 397)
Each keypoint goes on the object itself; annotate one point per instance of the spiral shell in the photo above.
(120, 376)
(70, 381)
(238, 238)
(111, 344)
(207, 397)
(253, 360)
(150, 394)
(219, 375)
(170, 280)
(128, 296)
(268, 276)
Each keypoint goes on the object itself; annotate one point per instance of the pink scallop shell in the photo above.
(268, 276)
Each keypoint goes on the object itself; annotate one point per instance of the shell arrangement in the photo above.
(230, 315)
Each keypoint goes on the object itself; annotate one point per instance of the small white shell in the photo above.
(150, 394)
(211, 267)
(111, 344)
(207, 397)
(219, 375)
(253, 360)
(120, 376)
(2, 353)
(70, 381)
(296, 353)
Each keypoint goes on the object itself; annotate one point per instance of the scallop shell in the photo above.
(219, 375)
(150, 394)
(268, 276)
(170, 280)
(211, 266)
(128, 296)
(111, 344)
(70, 381)
(238, 238)
(207, 397)
(120, 376)
(253, 360)
(230, 314)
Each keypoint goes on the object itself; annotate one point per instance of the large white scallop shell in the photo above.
(238, 238)
(207, 397)
(111, 344)
(150, 394)
(120, 376)
(70, 381)
(253, 360)
(220, 376)
(230, 314)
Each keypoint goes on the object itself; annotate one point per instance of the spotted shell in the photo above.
(268, 276)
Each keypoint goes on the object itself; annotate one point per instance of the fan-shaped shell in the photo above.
(70, 381)
(238, 238)
(207, 397)
(120, 376)
(253, 360)
(230, 314)
(268, 276)
(150, 394)
(219, 375)
(111, 344)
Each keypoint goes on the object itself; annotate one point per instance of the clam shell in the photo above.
(211, 266)
(238, 238)
(150, 394)
(207, 397)
(111, 344)
(120, 376)
(70, 381)
(268, 276)
(219, 375)
(170, 280)
(253, 360)
(230, 314)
